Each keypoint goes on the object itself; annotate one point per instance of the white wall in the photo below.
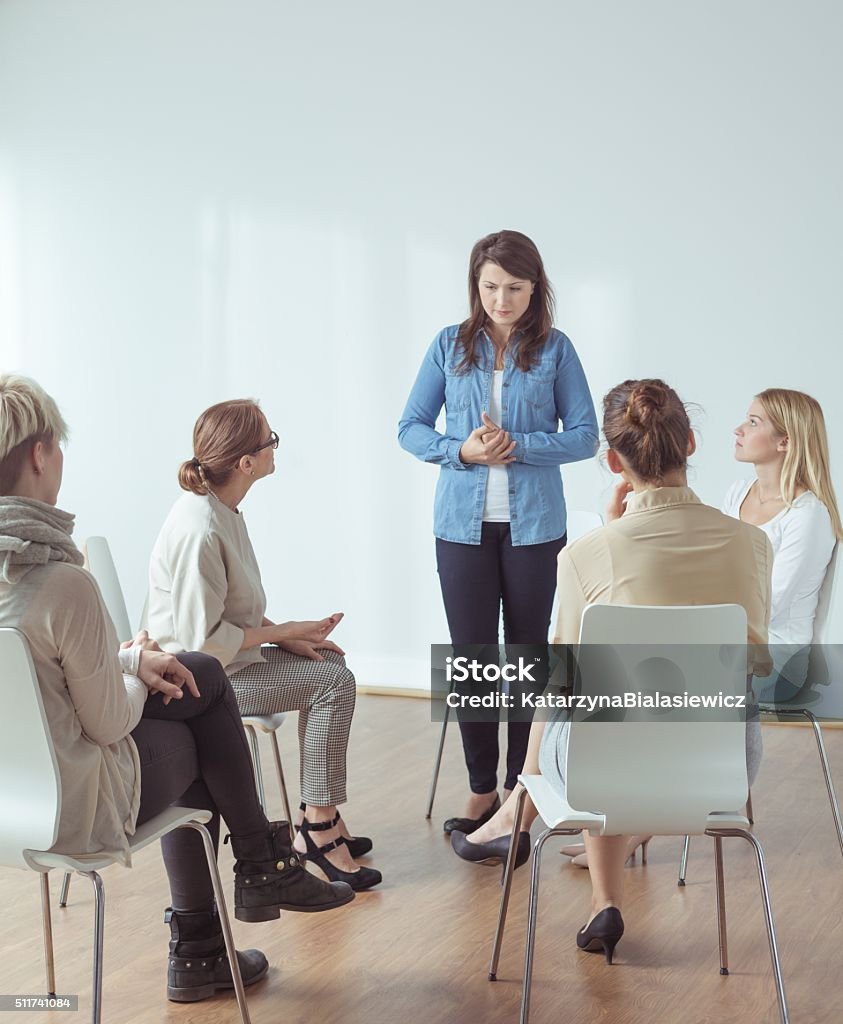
(207, 200)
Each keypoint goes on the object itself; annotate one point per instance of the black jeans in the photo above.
(194, 753)
(476, 579)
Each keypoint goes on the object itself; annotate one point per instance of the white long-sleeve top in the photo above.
(204, 582)
(803, 542)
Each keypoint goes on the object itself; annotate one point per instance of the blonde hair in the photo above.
(222, 436)
(27, 415)
(799, 417)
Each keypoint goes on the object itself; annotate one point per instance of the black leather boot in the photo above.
(198, 964)
(269, 878)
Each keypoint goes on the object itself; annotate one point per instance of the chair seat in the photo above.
(556, 812)
(266, 723)
(149, 832)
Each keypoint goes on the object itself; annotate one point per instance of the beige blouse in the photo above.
(669, 549)
(90, 705)
(204, 583)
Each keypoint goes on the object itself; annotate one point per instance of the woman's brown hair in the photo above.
(222, 436)
(647, 423)
(517, 255)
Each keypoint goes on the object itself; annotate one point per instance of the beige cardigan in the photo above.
(90, 705)
(669, 549)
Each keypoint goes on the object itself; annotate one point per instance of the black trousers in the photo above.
(477, 580)
(194, 753)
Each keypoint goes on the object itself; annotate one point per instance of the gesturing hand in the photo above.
(617, 506)
(311, 631)
(164, 673)
(309, 650)
(488, 445)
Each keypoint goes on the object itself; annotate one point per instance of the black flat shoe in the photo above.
(469, 825)
(603, 933)
(358, 846)
(362, 878)
(493, 852)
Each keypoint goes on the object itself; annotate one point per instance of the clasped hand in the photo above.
(488, 445)
(161, 672)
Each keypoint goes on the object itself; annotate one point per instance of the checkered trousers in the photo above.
(323, 693)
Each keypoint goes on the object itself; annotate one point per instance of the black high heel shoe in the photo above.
(493, 852)
(468, 825)
(603, 933)
(358, 846)
(362, 878)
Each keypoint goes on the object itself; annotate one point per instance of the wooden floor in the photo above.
(416, 949)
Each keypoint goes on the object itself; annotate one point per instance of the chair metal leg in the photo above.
(99, 939)
(279, 771)
(222, 910)
(829, 784)
(683, 862)
(47, 927)
(531, 919)
(436, 767)
(720, 889)
(508, 872)
(256, 763)
(768, 912)
(65, 889)
(749, 814)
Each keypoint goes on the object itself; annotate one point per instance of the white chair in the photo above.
(688, 774)
(30, 806)
(579, 522)
(101, 566)
(825, 666)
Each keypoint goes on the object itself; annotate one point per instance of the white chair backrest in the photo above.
(657, 770)
(581, 522)
(101, 566)
(828, 624)
(30, 791)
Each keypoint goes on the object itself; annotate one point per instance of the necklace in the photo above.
(219, 499)
(763, 501)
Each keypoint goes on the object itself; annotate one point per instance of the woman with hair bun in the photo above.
(507, 378)
(134, 730)
(792, 499)
(660, 546)
(205, 594)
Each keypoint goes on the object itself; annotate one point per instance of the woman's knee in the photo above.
(207, 671)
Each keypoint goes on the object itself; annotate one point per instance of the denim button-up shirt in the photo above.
(532, 406)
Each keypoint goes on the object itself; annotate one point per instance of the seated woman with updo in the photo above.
(134, 730)
(205, 594)
(660, 546)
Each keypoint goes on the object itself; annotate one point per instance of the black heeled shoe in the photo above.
(362, 878)
(493, 852)
(358, 846)
(603, 933)
(469, 825)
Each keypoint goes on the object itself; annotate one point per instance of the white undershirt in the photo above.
(496, 506)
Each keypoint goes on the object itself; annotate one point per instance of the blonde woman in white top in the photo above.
(792, 500)
(205, 594)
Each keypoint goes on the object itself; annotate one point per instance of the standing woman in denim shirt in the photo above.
(507, 378)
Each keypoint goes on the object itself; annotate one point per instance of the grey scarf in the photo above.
(33, 533)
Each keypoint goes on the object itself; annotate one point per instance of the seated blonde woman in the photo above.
(791, 498)
(134, 730)
(205, 594)
(660, 546)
